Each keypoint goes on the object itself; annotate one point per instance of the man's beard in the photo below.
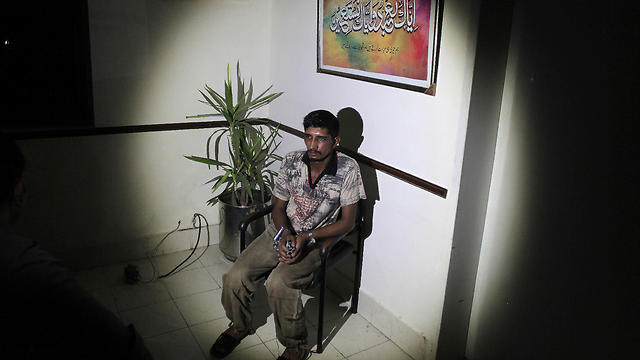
(316, 159)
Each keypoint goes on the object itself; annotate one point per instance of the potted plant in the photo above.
(246, 180)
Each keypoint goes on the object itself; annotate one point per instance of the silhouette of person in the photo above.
(44, 313)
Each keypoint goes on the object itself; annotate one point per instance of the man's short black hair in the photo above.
(322, 119)
(12, 164)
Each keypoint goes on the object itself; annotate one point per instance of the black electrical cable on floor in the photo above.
(198, 216)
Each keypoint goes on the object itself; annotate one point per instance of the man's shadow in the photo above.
(351, 129)
(339, 278)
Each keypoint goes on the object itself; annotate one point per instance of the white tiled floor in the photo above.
(180, 316)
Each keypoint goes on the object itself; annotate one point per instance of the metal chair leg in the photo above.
(358, 273)
(323, 273)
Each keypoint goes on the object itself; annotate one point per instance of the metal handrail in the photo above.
(132, 129)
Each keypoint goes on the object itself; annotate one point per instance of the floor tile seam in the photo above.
(141, 306)
(325, 350)
(197, 257)
(255, 345)
(202, 351)
(401, 349)
(145, 305)
(272, 354)
(170, 268)
(213, 264)
(178, 271)
(184, 318)
(375, 327)
(165, 332)
(205, 321)
(388, 337)
(265, 341)
(187, 268)
(190, 294)
(213, 277)
(361, 351)
(206, 271)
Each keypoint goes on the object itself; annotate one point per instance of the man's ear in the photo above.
(336, 140)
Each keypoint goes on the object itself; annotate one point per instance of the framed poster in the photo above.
(391, 42)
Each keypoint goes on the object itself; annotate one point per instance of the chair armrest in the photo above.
(356, 227)
(248, 220)
(255, 216)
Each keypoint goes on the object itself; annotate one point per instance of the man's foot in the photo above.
(294, 354)
(226, 342)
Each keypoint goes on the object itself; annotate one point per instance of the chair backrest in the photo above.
(339, 249)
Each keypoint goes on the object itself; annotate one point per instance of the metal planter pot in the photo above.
(230, 218)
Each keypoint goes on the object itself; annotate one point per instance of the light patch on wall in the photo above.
(190, 44)
(512, 187)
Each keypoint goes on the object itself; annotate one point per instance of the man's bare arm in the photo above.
(280, 219)
(279, 214)
(327, 233)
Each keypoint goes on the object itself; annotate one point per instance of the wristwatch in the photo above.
(311, 240)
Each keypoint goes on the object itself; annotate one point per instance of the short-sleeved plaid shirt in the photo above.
(312, 206)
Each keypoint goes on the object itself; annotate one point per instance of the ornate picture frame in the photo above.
(390, 42)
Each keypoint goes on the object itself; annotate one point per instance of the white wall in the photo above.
(155, 54)
(113, 196)
(558, 268)
(407, 255)
(149, 58)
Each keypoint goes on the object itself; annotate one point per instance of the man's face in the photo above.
(319, 142)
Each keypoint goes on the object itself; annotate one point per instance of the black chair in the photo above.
(337, 251)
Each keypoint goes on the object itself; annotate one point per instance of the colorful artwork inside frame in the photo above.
(386, 41)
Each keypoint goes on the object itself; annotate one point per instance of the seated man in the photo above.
(311, 189)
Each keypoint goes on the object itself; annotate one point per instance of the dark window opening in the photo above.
(45, 65)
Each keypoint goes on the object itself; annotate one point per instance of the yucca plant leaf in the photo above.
(262, 187)
(259, 97)
(202, 116)
(233, 158)
(221, 181)
(228, 92)
(221, 131)
(262, 102)
(269, 163)
(247, 188)
(259, 102)
(206, 160)
(215, 96)
(216, 147)
(210, 102)
(214, 179)
(240, 86)
(251, 147)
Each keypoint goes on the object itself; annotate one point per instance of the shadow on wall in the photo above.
(351, 128)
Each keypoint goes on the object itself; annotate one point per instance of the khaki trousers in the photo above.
(284, 284)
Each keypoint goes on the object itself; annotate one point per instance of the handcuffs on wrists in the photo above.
(291, 247)
(311, 240)
(276, 239)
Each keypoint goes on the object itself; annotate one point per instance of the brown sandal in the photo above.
(225, 344)
(297, 353)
